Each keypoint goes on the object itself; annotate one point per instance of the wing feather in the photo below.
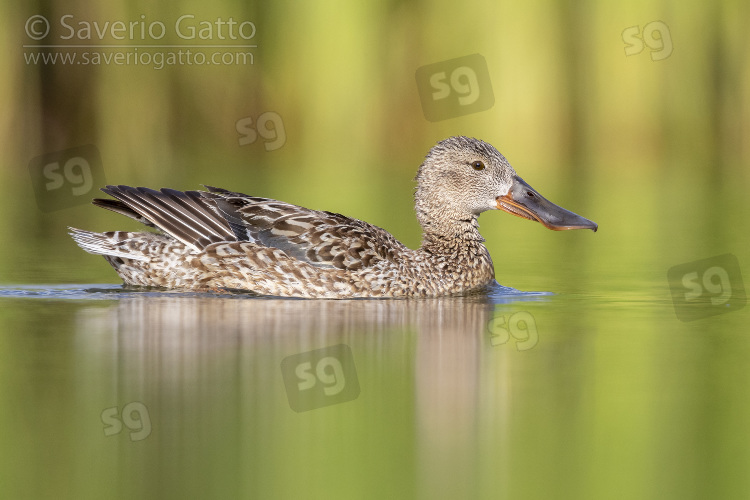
(201, 218)
(323, 239)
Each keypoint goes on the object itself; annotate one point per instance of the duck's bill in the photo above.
(524, 201)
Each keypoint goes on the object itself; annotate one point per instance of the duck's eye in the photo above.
(478, 165)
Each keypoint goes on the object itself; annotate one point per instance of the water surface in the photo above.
(108, 392)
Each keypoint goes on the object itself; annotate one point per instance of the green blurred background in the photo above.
(619, 400)
(652, 150)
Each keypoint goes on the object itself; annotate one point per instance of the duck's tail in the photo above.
(109, 244)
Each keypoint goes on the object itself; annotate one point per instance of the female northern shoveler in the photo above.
(222, 239)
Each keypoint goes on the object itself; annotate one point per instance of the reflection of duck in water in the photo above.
(222, 239)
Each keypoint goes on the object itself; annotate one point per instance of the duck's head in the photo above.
(462, 177)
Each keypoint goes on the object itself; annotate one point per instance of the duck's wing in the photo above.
(199, 219)
(186, 216)
(322, 239)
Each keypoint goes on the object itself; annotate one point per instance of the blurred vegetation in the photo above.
(650, 149)
(655, 151)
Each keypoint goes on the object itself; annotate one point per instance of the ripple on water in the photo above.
(496, 293)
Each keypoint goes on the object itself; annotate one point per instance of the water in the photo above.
(114, 393)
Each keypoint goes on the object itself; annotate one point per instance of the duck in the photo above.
(221, 240)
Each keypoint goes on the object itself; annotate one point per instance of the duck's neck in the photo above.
(446, 229)
(452, 243)
(451, 237)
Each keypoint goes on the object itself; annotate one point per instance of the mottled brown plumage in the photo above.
(219, 239)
